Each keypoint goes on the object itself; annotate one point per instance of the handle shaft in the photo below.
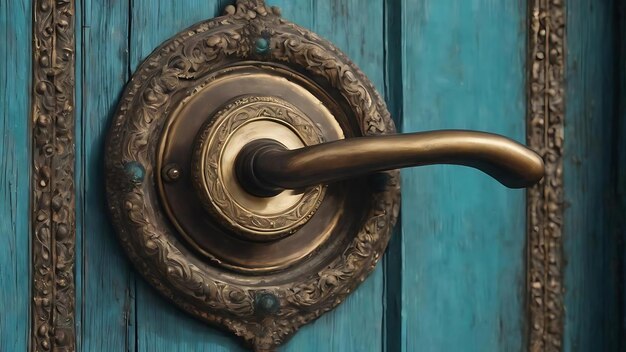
(266, 167)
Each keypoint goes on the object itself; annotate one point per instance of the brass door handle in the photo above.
(266, 167)
(226, 165)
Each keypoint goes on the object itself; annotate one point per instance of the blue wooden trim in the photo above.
(394, 328)
(15, 156)
(105, 276)
(591, 297)
(620, 164)
(463, 234)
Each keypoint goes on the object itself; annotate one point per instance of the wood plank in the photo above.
(104, 277)
(393, 333)
(591, 298)
(463, 233)
(15, 76)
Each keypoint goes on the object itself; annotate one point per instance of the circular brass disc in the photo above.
(220, 141)
(260, 267)
(209, 112)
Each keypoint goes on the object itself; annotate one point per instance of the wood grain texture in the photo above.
(105, 277)
(545, 120)
(15, 75)
(591, 277)
(620, 161)
(463, 234)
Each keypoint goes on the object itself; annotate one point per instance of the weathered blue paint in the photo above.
(15, 75)
(394, 330)
(104, 277)
(620, 165)
(591, 149)
(463, 233)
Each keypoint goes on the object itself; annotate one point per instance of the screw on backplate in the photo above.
(171, 173)
(266, 303)
(135, 171)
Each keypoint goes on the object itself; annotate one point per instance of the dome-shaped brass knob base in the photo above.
(218, 144)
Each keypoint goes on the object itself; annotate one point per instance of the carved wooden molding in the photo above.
(53, 200)
(545, 124)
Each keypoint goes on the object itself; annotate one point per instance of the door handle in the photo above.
(251, 172)
(266, 167)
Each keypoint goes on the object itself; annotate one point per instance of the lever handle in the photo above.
(265, 167)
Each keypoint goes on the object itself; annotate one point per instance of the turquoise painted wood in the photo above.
(105, 280)
(15, 58)
(594, 178)
(462, 233)
(620, 167)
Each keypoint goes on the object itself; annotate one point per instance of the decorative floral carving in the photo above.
(264, 315)
(53, 208)
(546, 113)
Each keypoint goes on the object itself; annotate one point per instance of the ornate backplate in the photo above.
(244, 268)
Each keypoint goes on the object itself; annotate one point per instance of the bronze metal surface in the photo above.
(545, 202)
(53, 206)
(206, 201)
(267, 165)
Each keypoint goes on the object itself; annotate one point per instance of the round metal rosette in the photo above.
(258, 266)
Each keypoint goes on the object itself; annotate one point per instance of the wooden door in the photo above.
(472, 266)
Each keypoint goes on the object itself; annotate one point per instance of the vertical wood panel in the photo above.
(15, 75)
(394, 330)
(463, 234)
(591, 296)
(620, 167)
(105, 277)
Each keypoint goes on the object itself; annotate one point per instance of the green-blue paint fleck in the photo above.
(135, 171)
(262, 45)
(266, 303)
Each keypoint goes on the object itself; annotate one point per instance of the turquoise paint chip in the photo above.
(135, 171)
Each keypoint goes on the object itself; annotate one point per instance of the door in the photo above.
(472, 266)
